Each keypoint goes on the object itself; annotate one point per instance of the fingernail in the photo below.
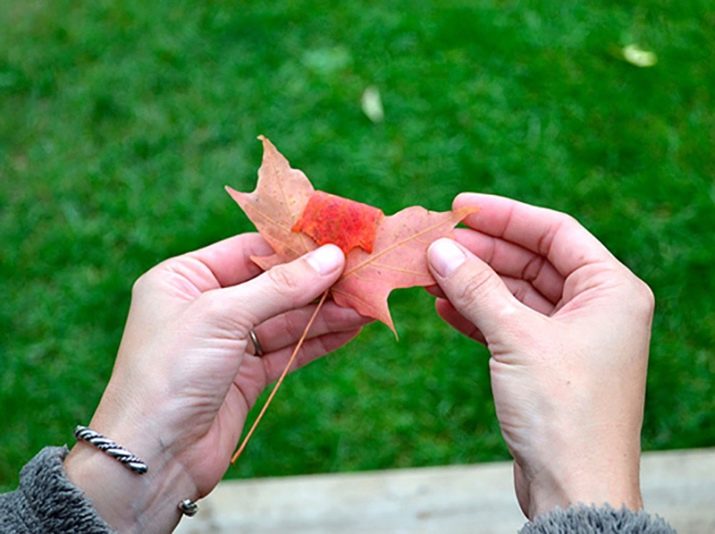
(445, 256)
(326, 259)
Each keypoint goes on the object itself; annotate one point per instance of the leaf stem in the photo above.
(280, 379)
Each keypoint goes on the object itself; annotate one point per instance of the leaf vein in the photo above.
(392, 247)
(396, 269)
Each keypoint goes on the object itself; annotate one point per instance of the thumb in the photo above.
(284, 287)
(472, 287)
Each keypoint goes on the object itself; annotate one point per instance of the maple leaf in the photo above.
(382, 253)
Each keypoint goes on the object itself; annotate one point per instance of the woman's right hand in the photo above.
(568, 329)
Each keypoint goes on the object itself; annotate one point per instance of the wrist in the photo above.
(588, 479)
(127, 501)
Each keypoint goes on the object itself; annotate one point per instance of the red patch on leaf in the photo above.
(343, 222)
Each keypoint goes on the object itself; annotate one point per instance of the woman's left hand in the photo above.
(186, 376)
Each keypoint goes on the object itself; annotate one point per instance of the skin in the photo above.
(567, 326)
(568, 329)
(185, 376)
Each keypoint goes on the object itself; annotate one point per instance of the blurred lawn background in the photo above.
(120, 122)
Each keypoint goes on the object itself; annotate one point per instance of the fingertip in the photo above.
(440, 304)
(326, 260)
(466, 199)
(445, 256)
(435, 291)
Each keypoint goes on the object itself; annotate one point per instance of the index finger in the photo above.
(229, 260)
(552, 234)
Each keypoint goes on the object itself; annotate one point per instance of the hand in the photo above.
(185, 378)
(568, 329)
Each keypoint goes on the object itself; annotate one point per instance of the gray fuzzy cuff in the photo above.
(597, 520)
(46, 501)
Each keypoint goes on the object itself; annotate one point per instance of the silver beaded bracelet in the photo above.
(129, 460)
(113, 449)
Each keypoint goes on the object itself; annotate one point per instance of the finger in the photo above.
(227, 262)
(312, 349)
(525, 293)
(285, 329)
(256, 373)
(436, 291)
(514, 261)
(522, 290)
(457, 321)
(473, 288)
(282, 288)
(557, 236)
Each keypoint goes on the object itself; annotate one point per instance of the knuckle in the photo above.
(561, 221)
(321, 347)
(566, 219)
(154, 276)
(560, 218)
(520, 292)
(570, 220)
(469, 292)
(291, 326)
(284, 282)
(533, 268)
(645, 297)
(143, 283)
(640, 299)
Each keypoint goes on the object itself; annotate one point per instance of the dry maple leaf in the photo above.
(383, 253)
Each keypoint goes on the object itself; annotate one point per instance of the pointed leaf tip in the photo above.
(266, 143)
(234, 194)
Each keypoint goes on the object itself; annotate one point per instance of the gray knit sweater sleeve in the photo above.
(597, 520)
(46, 501)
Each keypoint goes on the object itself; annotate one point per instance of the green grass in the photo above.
(121, 121)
